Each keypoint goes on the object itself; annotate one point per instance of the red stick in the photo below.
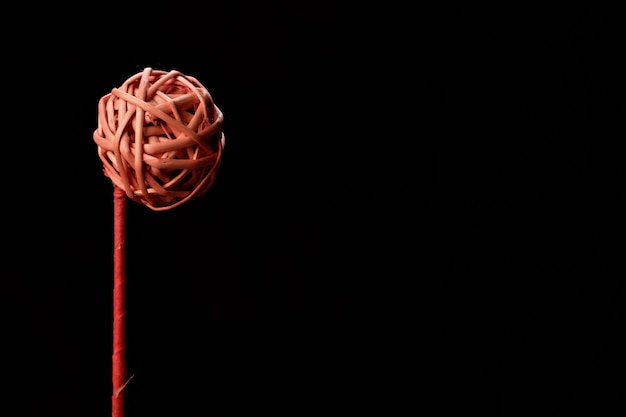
(120, 377)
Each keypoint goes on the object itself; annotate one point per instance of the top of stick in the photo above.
(160, 138)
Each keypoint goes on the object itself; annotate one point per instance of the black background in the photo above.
(417, 207)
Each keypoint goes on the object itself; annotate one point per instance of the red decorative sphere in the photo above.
(160, 138)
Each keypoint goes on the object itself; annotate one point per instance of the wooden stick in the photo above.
(119, 375)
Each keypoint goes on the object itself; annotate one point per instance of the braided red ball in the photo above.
(160, 138)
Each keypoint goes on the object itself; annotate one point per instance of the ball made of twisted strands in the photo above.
(160, 138)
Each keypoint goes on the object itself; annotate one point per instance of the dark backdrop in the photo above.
(417, 207)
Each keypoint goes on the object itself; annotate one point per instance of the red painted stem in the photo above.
(119, 376)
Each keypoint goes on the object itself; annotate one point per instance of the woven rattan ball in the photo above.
(160, 138)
